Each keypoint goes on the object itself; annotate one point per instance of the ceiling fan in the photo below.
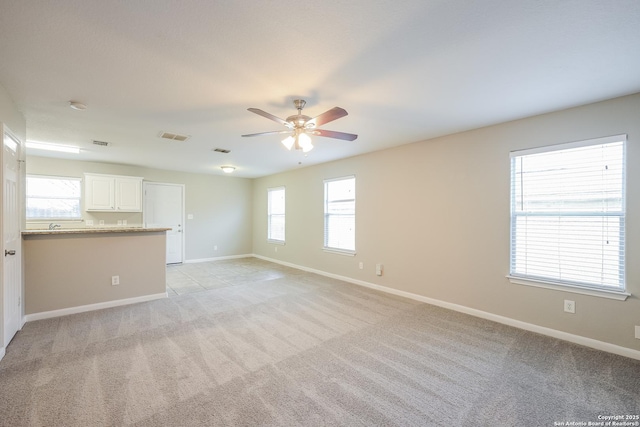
(299, 126)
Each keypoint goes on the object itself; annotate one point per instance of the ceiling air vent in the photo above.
(221, 150)
(174, 136)
(101, 143)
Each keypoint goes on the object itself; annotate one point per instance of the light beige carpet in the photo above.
(273, 346)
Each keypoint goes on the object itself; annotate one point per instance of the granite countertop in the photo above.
(93, 230)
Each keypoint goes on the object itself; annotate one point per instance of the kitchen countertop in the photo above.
(93, 230)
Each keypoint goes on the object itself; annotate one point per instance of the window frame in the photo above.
(270, 239)
(48, 219)
(601, 290)
(327, 215)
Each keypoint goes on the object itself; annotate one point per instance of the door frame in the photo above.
(184, 225)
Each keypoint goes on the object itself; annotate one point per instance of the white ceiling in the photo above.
(404, 70)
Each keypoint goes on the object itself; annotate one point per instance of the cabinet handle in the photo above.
(9, 252)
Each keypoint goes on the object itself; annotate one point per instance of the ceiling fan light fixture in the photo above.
(304, 142)
(228, 169)
(288, 142)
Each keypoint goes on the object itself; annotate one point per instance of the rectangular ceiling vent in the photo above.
(101, 143)
(174, 136)
(221, 150)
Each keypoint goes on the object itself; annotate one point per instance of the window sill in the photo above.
(340, 251)
(50, 220)
(276, 242)
(602, 293)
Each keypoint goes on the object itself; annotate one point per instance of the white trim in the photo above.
(92, 307)
(602, 293)
(569, 145)
(2, 352)
(347, 252)
(565, 336)
(221, 258)
(276, 242)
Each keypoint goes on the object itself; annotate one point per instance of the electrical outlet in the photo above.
(115, 280)
(89, 223)
(215, 248)
(101, 222)
(119, 222)
(361, 265)
(124, 222)
(275, 248)
(569, 306)
(638, 332)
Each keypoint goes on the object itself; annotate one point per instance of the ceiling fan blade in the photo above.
(275, 132)
(326, 117)
(334, 134)
(269, 116)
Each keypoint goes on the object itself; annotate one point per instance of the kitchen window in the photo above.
(53, 198)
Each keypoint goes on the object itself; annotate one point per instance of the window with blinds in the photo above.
(568, 214)
(276, 214)
(340, 214)
(53, 198)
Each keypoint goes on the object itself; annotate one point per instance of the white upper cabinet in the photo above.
(112, 193)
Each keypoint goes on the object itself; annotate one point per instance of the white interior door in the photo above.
(164, 207)
(12, 288)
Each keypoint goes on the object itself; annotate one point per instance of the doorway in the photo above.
(164, 207)
(11, 239)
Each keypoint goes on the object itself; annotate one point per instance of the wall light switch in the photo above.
(379, 269)
(189, 216)
(101, 222)
(119, 222)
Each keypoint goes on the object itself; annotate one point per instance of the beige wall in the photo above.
(11, 117)
(436, 214)
(72, 270)
(221, 205)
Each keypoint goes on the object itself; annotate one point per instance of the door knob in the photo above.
(9, 252)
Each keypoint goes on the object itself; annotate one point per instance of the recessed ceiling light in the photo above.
(77, 105)
(228, 169)
(52, 147)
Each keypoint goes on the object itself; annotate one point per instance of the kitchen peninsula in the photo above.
(74, 270)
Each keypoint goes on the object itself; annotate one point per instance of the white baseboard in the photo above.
(2, 353)
(565, 336)
(91, 307)
(221, 258)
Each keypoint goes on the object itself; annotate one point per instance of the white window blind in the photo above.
(276, 214)
(340, 214)
(53, 197)
(568, 214)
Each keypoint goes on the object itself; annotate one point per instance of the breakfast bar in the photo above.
(75, 270)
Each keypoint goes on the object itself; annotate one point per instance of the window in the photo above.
(568, 215)
(275, 214)
(340, 215)
(53, 197)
